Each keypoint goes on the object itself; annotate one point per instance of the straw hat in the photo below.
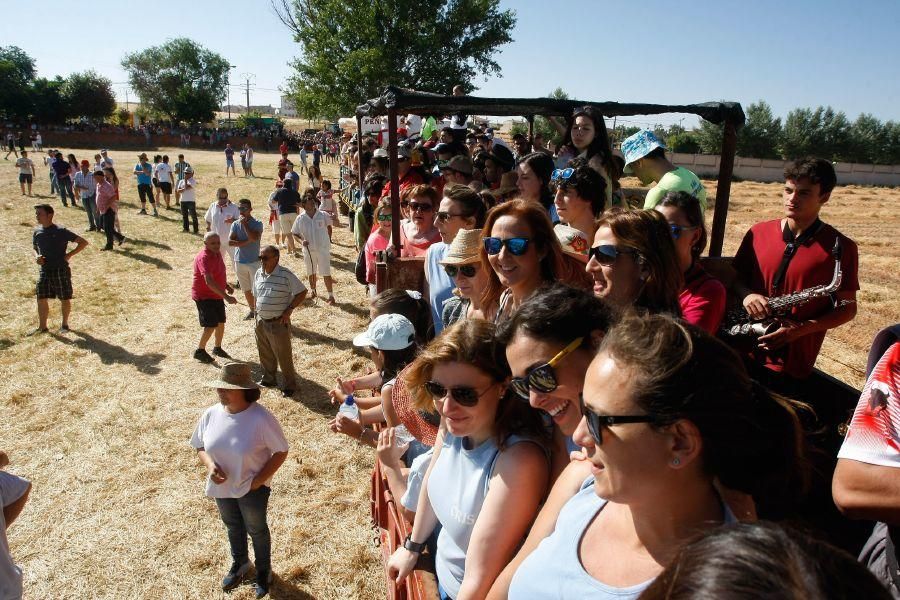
(574, 242)
(465, 248)
(422, 426)
(507, 184)
(234, 376)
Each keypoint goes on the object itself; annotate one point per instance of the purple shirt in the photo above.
(60, 167)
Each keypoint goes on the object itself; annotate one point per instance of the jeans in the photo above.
(145, 193)
(189, 207)
(54, 186)
(90, 207)
(65, 187)
(109, 226)
(247, 515)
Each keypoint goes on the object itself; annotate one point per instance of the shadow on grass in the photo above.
(317, 339)
(111, 354)
(140, 257)
(343, 265)
(353, 309)
(152, 244)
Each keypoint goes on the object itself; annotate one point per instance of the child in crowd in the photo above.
(311, 229)
(327, 205)
(378, 240)
(274, 221)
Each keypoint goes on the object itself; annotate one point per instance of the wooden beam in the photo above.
(723, 188)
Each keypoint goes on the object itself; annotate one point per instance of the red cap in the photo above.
(85, 163)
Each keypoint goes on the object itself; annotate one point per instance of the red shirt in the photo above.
(757, 261)
(282, 168)
(211, 263)
(283, 149)
(410, 179)
(702, 300)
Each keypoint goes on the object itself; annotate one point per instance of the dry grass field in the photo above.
(99, 419)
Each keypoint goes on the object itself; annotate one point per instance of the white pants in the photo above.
(246, 272)
(317, 261)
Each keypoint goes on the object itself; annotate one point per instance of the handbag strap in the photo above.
(792, 244)
(891, 554)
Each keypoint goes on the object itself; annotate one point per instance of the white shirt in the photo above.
(275, 291)
(164, 172)
(240, 444)
(188, 194)
(314, 230)
(216, 218)
(11, 489)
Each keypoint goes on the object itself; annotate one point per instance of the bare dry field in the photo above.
(99, 419)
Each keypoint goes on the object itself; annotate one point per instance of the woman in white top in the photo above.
(242, 446)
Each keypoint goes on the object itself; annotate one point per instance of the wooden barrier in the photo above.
(406, 273)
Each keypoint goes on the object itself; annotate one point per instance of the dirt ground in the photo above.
(99, 419)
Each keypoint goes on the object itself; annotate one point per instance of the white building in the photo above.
(287, 107)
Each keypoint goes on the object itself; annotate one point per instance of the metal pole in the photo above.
(395, 185)
(723, 188)
(248, 95)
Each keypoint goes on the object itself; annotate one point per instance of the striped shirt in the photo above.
(84, 183)
(275, 291)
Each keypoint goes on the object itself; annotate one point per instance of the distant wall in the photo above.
(92, 139)
(758, 169)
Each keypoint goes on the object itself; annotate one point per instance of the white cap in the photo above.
(380, 153)
(387, 332)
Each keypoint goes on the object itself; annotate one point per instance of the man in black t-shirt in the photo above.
(51, 253)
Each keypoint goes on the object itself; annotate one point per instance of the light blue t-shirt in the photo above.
(145, 174)
(554, 569)
(249, 253)
(440, 286)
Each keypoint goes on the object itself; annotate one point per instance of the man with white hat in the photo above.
(645, 157)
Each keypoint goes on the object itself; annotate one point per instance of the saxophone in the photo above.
(738, 323)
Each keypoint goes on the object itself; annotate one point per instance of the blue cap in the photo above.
(639, 145)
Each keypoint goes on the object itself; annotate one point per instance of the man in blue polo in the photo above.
(645, 157)
(144, 173)
(244, 238)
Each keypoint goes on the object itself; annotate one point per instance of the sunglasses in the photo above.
(419, 207)
(464, 270)
(517, 246)
(543, 377)
(606, 254)
(596, 423)
(243, 208)
(562, 174)
(385, 217)
(444, 216)
(678, 229)
(464, 396)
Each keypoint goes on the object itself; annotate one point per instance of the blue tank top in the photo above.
(554, 569)
(440, 286)
(457, 487)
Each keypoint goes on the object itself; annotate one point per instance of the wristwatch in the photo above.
(412, 546)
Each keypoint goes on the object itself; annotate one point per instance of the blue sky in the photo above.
(790, 53)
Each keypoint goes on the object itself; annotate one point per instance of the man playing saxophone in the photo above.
(788, 255)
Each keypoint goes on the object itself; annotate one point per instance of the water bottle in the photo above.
(349, 408)
(402, 436)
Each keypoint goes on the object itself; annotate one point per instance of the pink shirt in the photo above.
(417, 248)
(375, 243)
(107, 197)
(702, 300)
(211, 263)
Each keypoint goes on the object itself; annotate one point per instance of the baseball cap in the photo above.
(639, 145)
(387, 332)
(461, 164)
(380, 153)
(404, 152)
(503, 156)
(85, 163)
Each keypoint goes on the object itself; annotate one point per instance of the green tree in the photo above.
(352, 49)
(179, 79)
(821, 132)
(621, 132)
(48, 103)
(122, 117)
(16, 73)
(709, 137)
(758, 138)
(680, 140)
(891, 153)
(89, 95)
(543, 126)
(868, 140)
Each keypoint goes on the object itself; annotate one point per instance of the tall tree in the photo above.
(352, 49)
(758, 138)
(48, 104)
(544, 127)
(179, 79)
(89, 95)
(16, 73)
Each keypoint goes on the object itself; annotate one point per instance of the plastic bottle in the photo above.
(349, 408)
(402, 436)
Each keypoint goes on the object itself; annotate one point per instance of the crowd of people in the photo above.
(558, 408)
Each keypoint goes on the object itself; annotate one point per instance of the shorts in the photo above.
(166, 187)
(287, 222)
(155, 182)
(316, 262)
(25, 178)
(276, 224)
(229, 162)
(246, 272)
(211, 312)
(55, 283)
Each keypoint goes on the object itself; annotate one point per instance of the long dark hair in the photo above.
(542, 166)
(693, 213)
(599, 146)
(412, 306)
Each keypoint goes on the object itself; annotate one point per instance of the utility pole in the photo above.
(228, 87)
(248, 77)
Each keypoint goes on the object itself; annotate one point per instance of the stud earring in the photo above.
(676, 461)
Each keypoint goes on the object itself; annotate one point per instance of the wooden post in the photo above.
(530, 119)
(723, 188)
(395, 185)
(359, 171)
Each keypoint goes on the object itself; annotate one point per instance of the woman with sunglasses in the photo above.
(462, 265)
(633, 261)
(534, 172)
(378, 240)
(419, 232)
(658, 438)
(489, 471)
(580, 196)
(522, 250)
(703, 297)
(460, 209)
